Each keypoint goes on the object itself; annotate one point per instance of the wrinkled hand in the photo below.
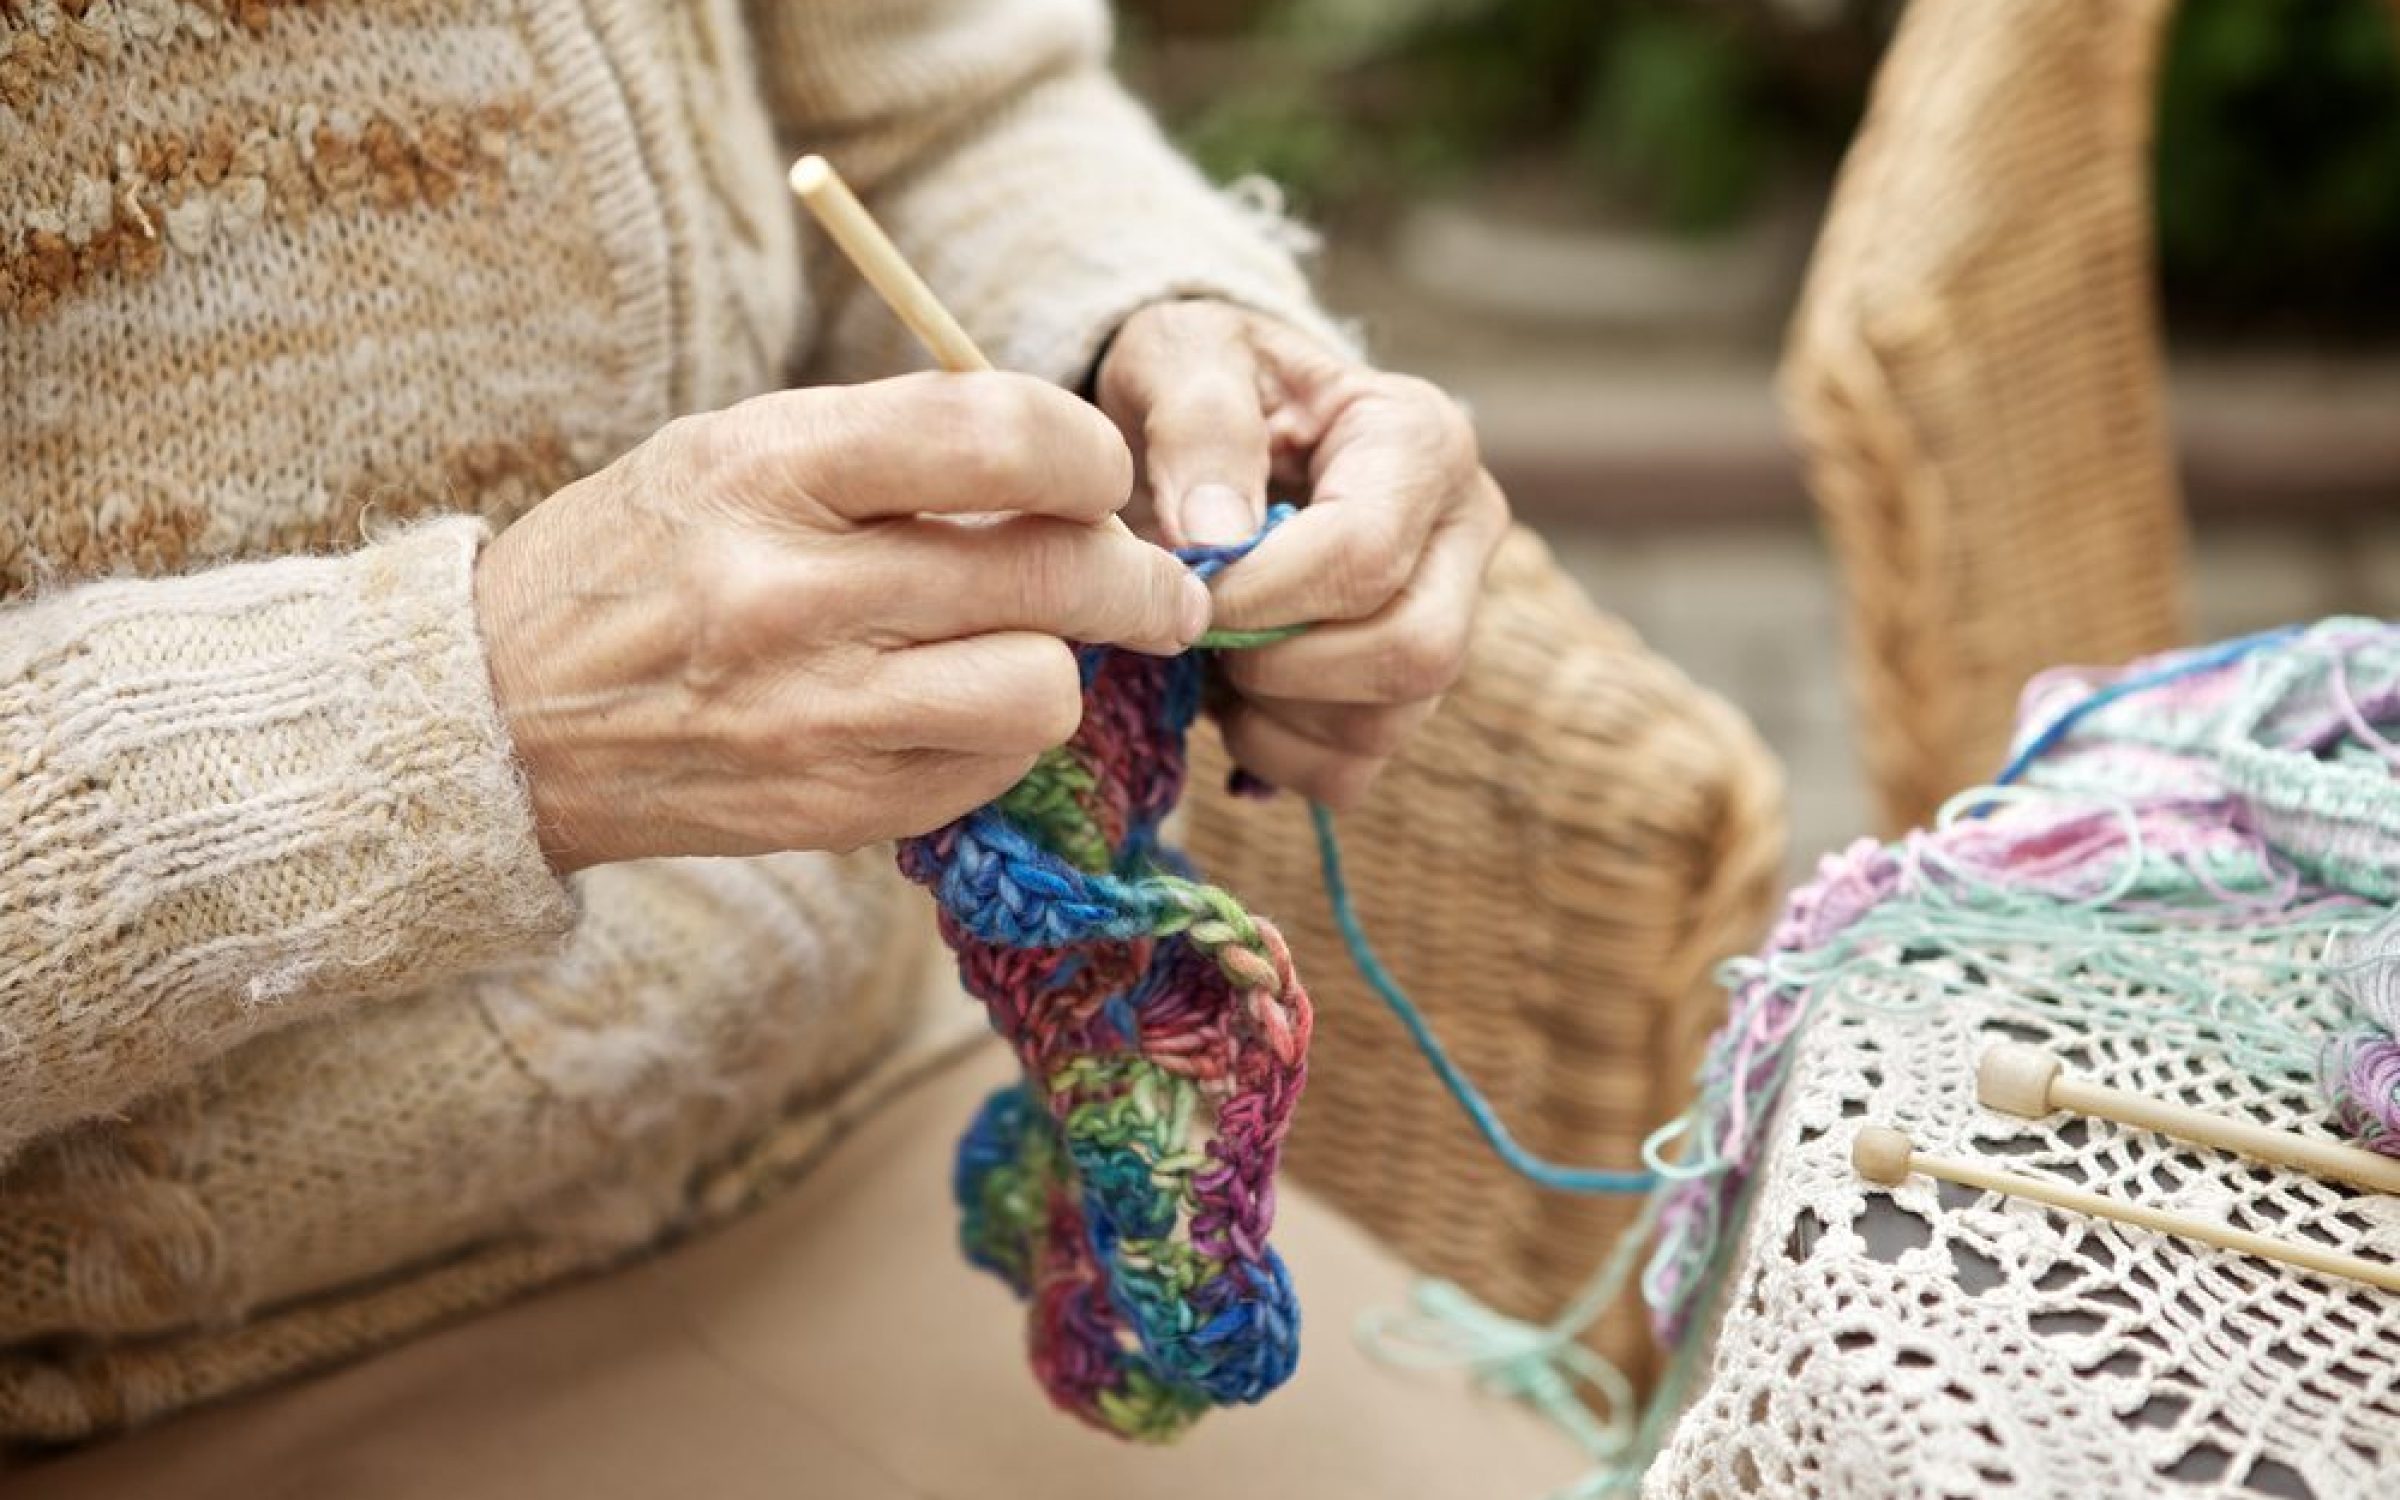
(1222, 405)
(764, 629)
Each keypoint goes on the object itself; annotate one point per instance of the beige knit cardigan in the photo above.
(301, 1043)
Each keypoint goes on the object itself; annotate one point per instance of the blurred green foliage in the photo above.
(2279, 120)
(2279, 163)
(1682, 111)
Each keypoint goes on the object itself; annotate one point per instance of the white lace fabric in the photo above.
(1936, 1341)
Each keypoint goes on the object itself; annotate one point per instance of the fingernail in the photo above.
(1198, 609)
(1215, 514)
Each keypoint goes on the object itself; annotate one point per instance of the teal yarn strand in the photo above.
(1597, 1180)
(1546, 1366)
(1470, 1100)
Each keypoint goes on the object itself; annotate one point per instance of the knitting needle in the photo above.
(2023, 1080)
(1885, 1156)
(854, 231)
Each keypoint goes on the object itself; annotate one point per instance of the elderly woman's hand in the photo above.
(1386, 561)
(759, 631)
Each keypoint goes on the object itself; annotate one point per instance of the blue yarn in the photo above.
(995, 1137)
(1003, 887)
(1478, 1109)
(1207, 562)
(2219, 655)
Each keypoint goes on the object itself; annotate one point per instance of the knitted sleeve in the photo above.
(1039, 201)
(229, 798)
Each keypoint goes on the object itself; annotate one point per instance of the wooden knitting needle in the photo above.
(854, 231)
(1885, 1156)
(2024, 1080)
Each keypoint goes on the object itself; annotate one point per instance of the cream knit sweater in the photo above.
(303, 1045)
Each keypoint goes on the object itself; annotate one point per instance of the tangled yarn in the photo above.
(2204, 847)
(1125, 1186)
(2156, 827)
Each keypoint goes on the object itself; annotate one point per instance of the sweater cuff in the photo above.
(289, 780)
(1051, 225)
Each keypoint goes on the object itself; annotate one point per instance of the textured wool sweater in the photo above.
(304, 1044)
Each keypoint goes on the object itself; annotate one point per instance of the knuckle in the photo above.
(734, 596)
(1162, 602)
(1051, 694)
(746, 592)
(1458, 434)
(1370, 570)
(873, 725)
(1491, 501)
(700, 443)
(1205, 400)
(961, 423)
(1022, 435)
(1449, 425)
(1111, 456)
(1046, 581)
(1422, 663)
(999, 444)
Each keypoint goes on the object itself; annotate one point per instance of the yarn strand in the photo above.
(1470, 1100)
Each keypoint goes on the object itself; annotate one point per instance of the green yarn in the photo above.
(1052, 799)
(1243, 640)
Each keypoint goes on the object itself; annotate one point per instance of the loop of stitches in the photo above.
(1125, 1186)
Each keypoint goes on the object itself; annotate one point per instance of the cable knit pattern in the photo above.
(305, 1044)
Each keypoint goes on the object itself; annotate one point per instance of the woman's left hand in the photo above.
(1223, 406)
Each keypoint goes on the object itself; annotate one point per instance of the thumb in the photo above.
(1205, 454)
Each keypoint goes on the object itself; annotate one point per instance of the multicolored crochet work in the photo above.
(1127, 1185)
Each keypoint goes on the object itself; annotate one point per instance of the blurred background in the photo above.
(1589, 219)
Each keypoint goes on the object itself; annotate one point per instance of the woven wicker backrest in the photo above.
(1975, 378)
(1551, 869)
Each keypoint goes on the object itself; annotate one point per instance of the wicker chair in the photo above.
(1976, 380)
(1551, 870)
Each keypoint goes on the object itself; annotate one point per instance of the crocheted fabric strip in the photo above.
(1126, 1186)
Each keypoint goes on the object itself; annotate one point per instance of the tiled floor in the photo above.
(1752, 612)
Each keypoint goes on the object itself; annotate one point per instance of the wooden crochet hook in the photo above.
(1885, 1156)
(854, 231)
(859, 237)
(2024, 1080)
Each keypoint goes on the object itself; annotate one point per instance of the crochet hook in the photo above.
(1883, 1155)
(2026, 1081)
(854, 231)
(849, 225)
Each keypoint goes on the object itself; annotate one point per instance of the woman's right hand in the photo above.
(763, 629)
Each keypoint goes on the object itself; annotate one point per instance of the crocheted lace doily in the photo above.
(1936, 1341)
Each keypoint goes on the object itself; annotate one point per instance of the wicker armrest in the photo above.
(1976, 377)
(1550, 870)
